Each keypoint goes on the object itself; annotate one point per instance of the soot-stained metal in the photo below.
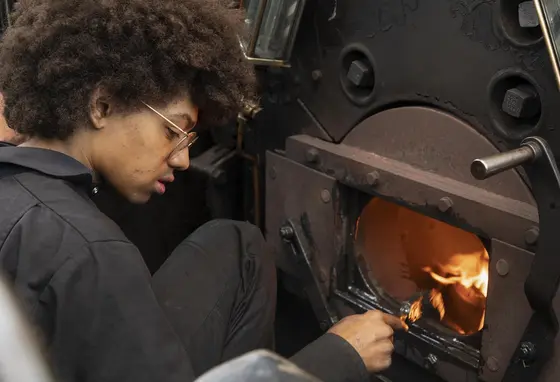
(357, 173)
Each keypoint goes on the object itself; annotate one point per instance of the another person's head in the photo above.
(118, 83)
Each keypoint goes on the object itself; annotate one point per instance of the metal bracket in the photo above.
(293, 235)
(537, 343)
(220, 166)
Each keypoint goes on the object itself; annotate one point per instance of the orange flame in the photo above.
(468, 270)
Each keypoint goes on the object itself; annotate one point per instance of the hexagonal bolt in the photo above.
(521, 102)
(528, 16)
(360, 74)
(312, 156)
(431, 360)
(286, 232)
(531, 236)
(372, 178)
(445, 204)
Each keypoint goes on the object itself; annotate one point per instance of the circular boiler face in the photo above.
(406, 254)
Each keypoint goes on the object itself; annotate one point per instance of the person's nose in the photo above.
(180, 161)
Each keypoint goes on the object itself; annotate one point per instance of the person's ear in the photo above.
(100, 108)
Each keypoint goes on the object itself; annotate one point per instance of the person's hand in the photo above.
(371, 334)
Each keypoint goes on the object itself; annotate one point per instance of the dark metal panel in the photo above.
(296, 192)
(419, 49)
(508, 313)
(434, 141)
(507, 309)
(461, 204)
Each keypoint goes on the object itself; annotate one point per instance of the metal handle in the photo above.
(484, 168)
(532, 148)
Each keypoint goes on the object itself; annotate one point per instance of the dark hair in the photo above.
(57, 52)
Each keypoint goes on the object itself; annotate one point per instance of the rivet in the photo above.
(312, 156)
(325, 196)
(272, 173)
(445, 204)
(492, 364)
(502, 267)
(531, 236)
(372, 178)
(316, 75)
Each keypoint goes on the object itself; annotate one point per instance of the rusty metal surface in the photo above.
(305, 183)
(437, 142)
(507, 309)
(508, 312)
(293, 190)
(462, 204)
(312, 282)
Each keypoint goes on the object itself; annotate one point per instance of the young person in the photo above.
(110, 91)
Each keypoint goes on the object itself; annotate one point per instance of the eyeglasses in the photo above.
(188, 138)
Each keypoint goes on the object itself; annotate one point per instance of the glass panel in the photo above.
(277, 32)
(6, 6)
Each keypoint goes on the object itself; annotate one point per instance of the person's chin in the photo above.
(139, 197)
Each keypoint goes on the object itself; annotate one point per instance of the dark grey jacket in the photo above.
(86, 288)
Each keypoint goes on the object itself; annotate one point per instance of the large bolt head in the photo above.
(521, 102)
(360, 74)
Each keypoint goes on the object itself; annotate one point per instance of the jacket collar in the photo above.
(48, 162)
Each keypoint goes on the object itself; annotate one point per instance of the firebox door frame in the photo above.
(324, 166)
(353, 203)
(353, 287)
(308, 202)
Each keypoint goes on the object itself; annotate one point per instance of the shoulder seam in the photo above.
(15, 224)
(40, 202)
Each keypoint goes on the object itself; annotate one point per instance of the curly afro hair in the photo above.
(57, 52)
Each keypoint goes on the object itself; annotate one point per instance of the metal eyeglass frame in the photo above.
(191, 137)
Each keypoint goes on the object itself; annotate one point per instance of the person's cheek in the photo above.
(7, 134)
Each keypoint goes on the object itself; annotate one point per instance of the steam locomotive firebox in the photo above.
(390, 221)
(396, 188)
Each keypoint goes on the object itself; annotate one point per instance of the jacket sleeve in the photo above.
(107, 325)
(332, 359)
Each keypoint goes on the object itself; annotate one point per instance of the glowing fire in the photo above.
(437, 271)
(467, 273)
